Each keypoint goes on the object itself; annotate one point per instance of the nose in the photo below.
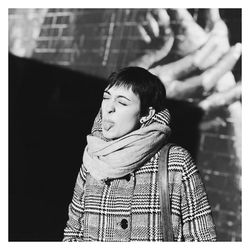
(109, 106)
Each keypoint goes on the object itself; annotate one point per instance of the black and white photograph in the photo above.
(124, 124)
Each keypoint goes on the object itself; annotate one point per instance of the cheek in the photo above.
(129, 120)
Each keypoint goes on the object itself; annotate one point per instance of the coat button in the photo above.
(127, 177)
(124, 223)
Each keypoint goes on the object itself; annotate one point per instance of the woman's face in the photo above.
(120, 112)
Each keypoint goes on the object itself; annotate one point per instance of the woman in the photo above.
(116, 196)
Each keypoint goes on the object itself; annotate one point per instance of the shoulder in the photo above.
(178, 154)
(178, 151)
(180, 159)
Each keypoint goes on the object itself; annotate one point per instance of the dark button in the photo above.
(107, 182)
(127, 177)
(124, 223)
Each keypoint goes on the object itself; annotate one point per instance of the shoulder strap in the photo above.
(164, 193)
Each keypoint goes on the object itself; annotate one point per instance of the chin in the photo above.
(108, 135)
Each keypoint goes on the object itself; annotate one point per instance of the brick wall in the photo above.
(220, 166)
(90, 41)
(98, 41)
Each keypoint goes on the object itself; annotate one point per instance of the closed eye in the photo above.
(124, 104)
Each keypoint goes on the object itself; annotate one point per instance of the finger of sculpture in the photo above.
(175, 70)
(220, 99)
(152, 25)
(183, 90)
(163, 21)
(189, 36)
(144, 35)
(216, 46)
(226, 82)
(212, 16)
(212, 75)
(153, 55)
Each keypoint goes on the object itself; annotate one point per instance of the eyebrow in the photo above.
(119, 96)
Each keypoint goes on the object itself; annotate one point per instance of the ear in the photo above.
(147, 117)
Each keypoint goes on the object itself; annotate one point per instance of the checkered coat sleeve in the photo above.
(97, 209)
(72, 231)
(194, 210)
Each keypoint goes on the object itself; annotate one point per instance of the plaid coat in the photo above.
(128, 209)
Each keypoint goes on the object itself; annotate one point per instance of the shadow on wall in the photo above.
(51, 110)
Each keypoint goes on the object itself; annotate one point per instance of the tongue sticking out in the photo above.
(107, 125)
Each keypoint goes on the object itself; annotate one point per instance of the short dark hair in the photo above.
(147, 86)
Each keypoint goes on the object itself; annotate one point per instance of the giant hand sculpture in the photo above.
(198, 61)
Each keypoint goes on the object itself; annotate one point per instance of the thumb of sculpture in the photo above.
(189, 36)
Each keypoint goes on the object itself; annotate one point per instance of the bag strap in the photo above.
(164, 193)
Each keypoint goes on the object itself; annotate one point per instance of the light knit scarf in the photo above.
(116, 158)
